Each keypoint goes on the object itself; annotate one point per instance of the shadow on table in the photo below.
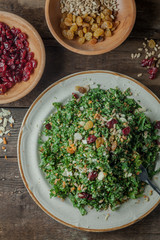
(147, 21)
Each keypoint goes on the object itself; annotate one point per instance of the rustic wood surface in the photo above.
(20, 217)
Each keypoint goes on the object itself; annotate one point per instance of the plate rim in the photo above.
(19, 151)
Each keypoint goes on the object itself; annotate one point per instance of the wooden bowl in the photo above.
(36, 45)
(126, 16)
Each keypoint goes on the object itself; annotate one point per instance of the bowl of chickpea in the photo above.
(90, 27)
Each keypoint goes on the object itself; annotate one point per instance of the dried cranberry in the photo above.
(3, 89)
(152, 71)
(152, 76)
(17, 31)
(7, 45)
(92, 175)
(30, 56)
(10, 61)
(23, 53)
(111, 123)
(83, 195)
(48, 126)
(147, 62)
(75, 95)
(158, 142)
(150, 61)
(25, 78)
(90, 197)
(17, 62)
(9, 84)
(10, 79)
(19, 44)
(28, 67)
(126, 131)
(26, 43)
(157, 125)
(3, 67)
(13, 66)
(91, 139)
(22, 36)
(34, 63)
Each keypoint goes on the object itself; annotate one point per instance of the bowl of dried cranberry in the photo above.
(22, 57)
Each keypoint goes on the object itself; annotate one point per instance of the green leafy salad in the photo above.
(94, 148)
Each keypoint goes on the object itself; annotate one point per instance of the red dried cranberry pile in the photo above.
(152, 69)
(16, 61)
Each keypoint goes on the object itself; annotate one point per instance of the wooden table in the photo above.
(20, 217)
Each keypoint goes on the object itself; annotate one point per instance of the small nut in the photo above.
(114, 146)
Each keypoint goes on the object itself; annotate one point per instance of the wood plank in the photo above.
(61, 62)
(21, 216)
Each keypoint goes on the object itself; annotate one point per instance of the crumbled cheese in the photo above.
(142, 109)
(82, 123)
(81, 108)
(77, 136)
(123, 119)
(101, 176)
(4, 121)
(84, 141)
(129, 118)
(66, 173)
(94, 160)
(127, 175)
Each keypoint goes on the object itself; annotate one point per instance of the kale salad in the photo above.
(94, 146)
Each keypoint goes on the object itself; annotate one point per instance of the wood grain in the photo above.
(20, 217)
